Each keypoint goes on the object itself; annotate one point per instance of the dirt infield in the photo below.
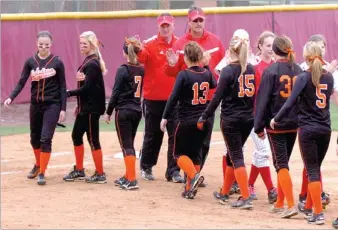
(156, 204)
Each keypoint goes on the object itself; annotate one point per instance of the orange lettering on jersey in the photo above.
(321, 102)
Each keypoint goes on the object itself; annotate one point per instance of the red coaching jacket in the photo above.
(156, 84)
(208, 41)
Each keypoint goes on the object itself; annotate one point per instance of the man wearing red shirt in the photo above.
(157, 87)
(210, 43)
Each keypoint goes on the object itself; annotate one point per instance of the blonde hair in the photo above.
(131, 48)
(92, 39)
(262, 38)
(312, 54)
(239, 45)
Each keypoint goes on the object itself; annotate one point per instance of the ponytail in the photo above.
(131, 47)
(243, 56)
(316, 71)
(102, 63)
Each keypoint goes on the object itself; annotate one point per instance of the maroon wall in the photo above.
(19, 37)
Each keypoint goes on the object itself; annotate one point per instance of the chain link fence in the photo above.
(43, 6)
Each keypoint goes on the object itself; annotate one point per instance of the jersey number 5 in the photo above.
(138, 80)
(321, 102)
(249, 89)
(204, 86)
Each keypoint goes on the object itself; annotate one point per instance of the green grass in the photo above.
(21, 129)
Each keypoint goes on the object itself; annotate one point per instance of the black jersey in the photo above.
(236, 91)
(313, 102)
(191, 92)
(48, 80)
(127, 88)
(275, 88)
(90, 92)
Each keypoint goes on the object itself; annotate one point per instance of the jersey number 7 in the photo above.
(138, 80)
(204, 86)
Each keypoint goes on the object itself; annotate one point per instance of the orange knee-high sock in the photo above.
(97, 156)
(281, 196)
(44, 159)
(131, 172)
(315, 189)
(286, 183)
(305, 182)
(228, 180)
(198, 168)
(185, 163)
(224, 164)
(37, 156)
(308, 202)
(242, 180)
(125, 164)
(79, 155)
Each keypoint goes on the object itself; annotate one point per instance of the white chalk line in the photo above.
(106, 158)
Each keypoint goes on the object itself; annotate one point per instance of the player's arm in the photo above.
(63, 87)
(175, 61)
(262, 101)
(23, 80)
(174, 95)
(221, 90)
(120, 75)
(92, 70)
(334, 96)
(296, 91)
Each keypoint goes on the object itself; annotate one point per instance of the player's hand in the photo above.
(62, 116)
(68, 93)
(272, 123)
(172, 57)
(200, 123)
(332, 66)
(206, 58)
(107, 118)
(76, 111)
(7, 102)
(163, 125)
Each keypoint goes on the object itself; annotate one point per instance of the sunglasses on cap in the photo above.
(198, 20)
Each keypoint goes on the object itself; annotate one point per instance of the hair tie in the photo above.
(99, 43)
(311, 59)
(290, 52)
(239, 41)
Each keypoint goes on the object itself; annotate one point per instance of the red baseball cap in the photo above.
(198, 13)
(165, 19)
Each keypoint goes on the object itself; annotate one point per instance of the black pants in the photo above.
(126, 123)
(206, 142)
(235, 135)
(43, 120)
(313, 147)
(153, 136)
(281, 147)
(188, 140)
(87, 123)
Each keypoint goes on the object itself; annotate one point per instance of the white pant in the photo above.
(261, 151)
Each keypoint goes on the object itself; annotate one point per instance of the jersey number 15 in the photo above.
(246, 85)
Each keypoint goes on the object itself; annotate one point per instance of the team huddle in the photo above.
(177, 84)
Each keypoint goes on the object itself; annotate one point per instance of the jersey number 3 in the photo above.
(249, 89)
(321, 102)
(138, 80)
(204, 86)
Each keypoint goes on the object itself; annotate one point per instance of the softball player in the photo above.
(126, 100)
(48, 101)
(190, 91)
(260, 160)
(90, 96)
(312, 91)
(275, 88)
(236, 90)
(331, 67)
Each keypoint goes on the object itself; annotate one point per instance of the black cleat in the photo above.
(302, 209)
(34, 172)
(272, 196)
(243, 203)
(234, 189)
(120, 181)
(317, 219)
(147, 174)
(222, 199)
(335, 223)
(41, 179)
(194, 184)
(75, 175)
(97, 178)
(130, 185)
(326, 200)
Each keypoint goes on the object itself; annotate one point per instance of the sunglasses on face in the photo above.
(198, 20)
(46, 46)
